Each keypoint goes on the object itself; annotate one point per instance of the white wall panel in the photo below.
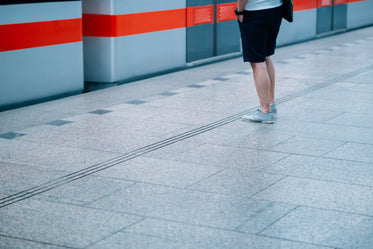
(35, 73)
(359, 14)
(149, 53)
(39, 12)
(302, 28)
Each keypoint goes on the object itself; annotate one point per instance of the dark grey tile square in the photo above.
(100, 112)
(168, 93)
(221, 79)
(136, 102)
(11, 135)
(196, 86)
(325, 227)
(59, 122)
(60, 224)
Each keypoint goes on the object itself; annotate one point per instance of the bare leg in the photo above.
(262, 85)
(271, 74)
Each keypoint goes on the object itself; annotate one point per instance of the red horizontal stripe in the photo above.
(225, 12)
(140, 23)
(352, 1)
(39, 34)
(200, 15)
(300, 5)
(133, 24)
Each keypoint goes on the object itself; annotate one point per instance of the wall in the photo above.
(41, 52)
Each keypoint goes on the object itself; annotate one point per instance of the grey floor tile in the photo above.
(112, 133)
(324, 169)
(299, 113)
(137, 241)
(236, 182)
(323, 227)
(354, 151)
(260, 138)
(84, 190)
(187, 116)
(60, 224)
(321, 194)
(353, 119)
(325, 131)
(159, 171)
(266, 217)
(49, 156)
(224, 156)
(180, 103)
(210, 238)
(337, 106)
(15, 178)
(307, 146)
(14, 243)
(182, 205)
(363, 78)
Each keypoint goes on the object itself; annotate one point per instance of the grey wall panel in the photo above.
(303, 28)
(118, 7)
(99, 59)
(36, 73)
(199, 2)
(228, 37)
(149, 53)
(324, 19)
(138, 6)
(359, 14)
(38, 12)
(340, 17)
(104, 7)
(200, 42)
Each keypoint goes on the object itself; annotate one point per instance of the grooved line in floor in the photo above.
(6, 201)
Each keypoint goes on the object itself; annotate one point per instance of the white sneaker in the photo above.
(259, 117)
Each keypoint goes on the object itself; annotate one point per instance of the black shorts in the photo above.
(259, 31)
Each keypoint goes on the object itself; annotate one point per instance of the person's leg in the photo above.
(272, 78)
(262, 85)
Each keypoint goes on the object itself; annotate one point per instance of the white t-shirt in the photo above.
(262, 4)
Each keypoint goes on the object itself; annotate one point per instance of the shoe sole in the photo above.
(263, 122)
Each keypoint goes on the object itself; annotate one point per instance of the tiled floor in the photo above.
(166, 162)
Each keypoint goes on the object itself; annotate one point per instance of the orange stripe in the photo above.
(133, 24)
(300, 5)
(39, 34)
(226, 12)
(352, 1)
(140, 23)
(200, 15)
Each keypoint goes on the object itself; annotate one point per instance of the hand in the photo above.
(240, 18)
